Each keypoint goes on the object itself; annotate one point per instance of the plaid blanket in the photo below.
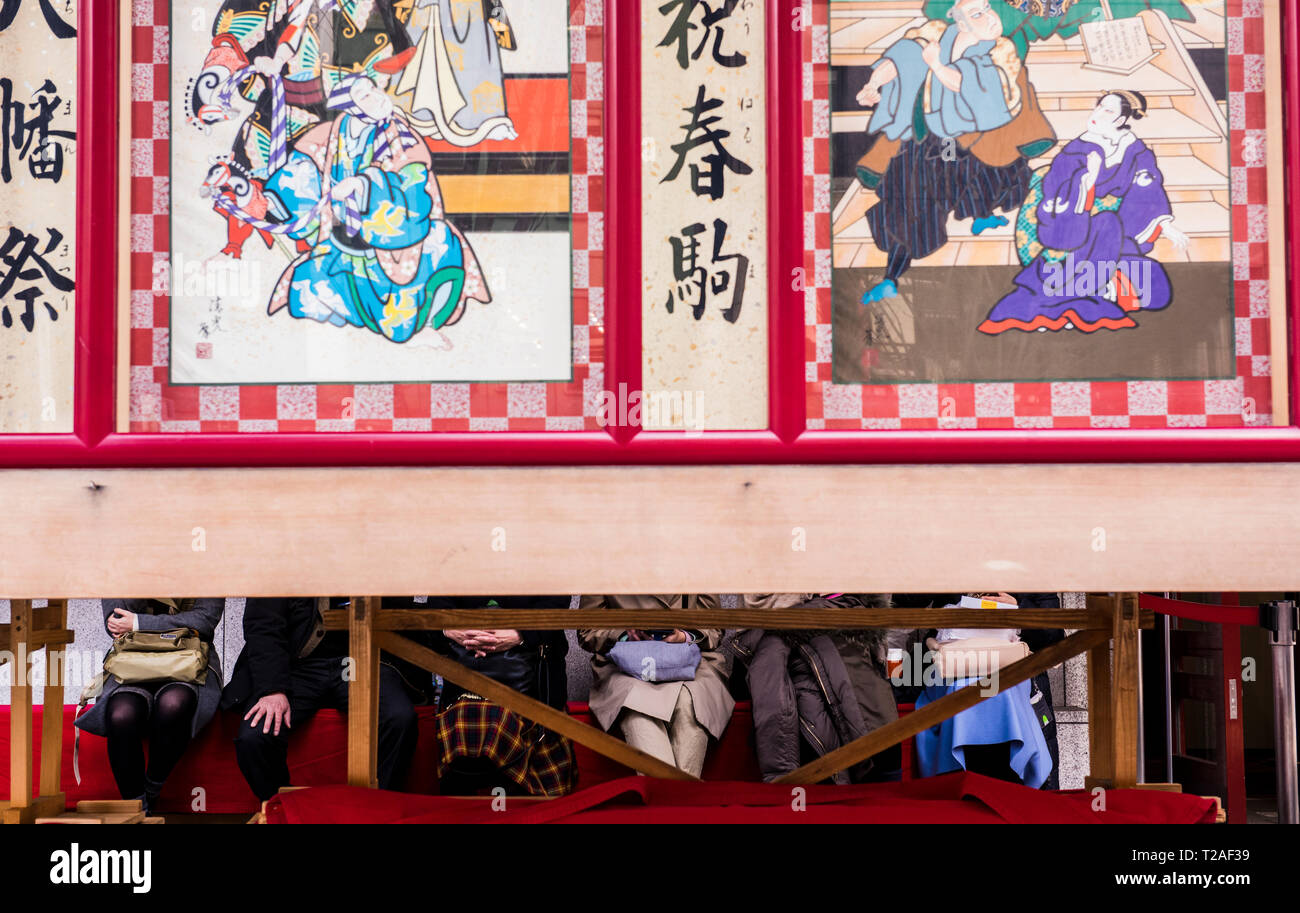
(533, 757)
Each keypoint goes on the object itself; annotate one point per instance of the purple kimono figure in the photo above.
(1086, 231)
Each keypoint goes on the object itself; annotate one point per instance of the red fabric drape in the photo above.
(960, 798)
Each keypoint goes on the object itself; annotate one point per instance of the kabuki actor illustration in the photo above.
(1029, 190)
(367, 205)
(1087, 228)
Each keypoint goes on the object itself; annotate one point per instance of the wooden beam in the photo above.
(363, 694)
(557, 721)
(655, 529)
(20, 708)
(39, 807)
(35, 640)
(52, 707)
(1101, 745)
(819, 619)
(944, 708)
(1124, 691)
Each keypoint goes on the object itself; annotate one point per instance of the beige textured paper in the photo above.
(36, 366)
(710, 373)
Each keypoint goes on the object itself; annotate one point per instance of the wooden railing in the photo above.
(29, 630)
(1107, 630)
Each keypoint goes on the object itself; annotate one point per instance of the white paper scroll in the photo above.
(704, 216)
(38, 213)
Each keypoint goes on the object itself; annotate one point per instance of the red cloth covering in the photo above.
(958, 798)
(317, 757)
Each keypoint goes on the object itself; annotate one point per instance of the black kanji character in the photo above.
(60, 29)
(679, 31)
(705, 180)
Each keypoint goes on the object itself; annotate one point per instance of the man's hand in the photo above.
(930, 54)
(121, 622)
(463, 637)
(496, 640)
(677, 637)
(271, 710)
(881, 73)
(481, 643)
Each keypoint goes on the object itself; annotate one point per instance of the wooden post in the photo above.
(20, 711)
(1124, 692)
(1101, 748)
(363, 693)
(52, 711)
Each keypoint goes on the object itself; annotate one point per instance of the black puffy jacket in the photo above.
(819, 689)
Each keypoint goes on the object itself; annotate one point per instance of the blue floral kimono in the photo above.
(1087, 250)
(390, 263)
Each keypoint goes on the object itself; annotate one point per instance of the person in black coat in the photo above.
(291, 667)
(1041, 689)
(549, 647)
(531, 662)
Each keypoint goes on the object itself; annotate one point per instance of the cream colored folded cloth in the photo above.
(975, 656)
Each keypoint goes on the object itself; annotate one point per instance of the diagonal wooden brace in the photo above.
(600, 742)
(944, 708)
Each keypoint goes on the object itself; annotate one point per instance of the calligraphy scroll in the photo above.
(38, 205)
(704, 264)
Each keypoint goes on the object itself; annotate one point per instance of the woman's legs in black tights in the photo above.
(169, 733)
(127, 724)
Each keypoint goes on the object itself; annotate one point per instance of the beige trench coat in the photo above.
(612, 690)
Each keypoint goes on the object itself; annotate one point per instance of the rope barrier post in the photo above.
(1169, 697)
(1280, 620)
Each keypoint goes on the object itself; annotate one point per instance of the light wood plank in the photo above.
(52, 715)
(1124, 691)
(794, 618)
(648, 529)
(363, 694)
(1101, 746)
(20, 709)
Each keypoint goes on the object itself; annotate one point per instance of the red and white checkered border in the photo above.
(157, 406)
(1245, 400)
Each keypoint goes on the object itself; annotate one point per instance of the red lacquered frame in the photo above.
(95, 443)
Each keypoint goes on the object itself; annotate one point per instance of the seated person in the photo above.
(1040, 686)
(815, 691)
(167, 713)
(999, 737)
(291, 667)
(484, 745)
(670, 716)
